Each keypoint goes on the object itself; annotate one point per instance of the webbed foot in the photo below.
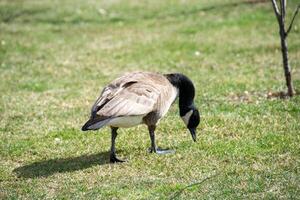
(161, 151)
(152, 150)
(114, 159)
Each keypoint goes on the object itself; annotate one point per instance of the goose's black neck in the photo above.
(186, 91)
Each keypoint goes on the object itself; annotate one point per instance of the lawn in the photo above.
(56, 56)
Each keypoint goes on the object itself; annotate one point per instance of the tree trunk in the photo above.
(280, 15)
(285, 59)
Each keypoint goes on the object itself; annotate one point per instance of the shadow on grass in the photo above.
(62, 165)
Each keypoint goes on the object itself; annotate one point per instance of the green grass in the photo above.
(57, 55)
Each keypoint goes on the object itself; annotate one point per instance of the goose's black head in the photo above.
(188, 112)
(192, 120)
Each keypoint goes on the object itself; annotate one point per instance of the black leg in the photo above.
(113, 158)
(151, 129)
(153, 148)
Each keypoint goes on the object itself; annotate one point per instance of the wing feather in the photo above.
(136, 99)
(132, 94)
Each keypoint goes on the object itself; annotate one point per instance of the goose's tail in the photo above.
(95, 123)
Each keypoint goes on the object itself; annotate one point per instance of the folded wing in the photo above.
(130, 99)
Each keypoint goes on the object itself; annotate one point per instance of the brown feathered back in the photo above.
(138, 93)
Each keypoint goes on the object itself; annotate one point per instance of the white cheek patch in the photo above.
(186, 117)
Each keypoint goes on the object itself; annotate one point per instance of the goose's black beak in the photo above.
(193, 133)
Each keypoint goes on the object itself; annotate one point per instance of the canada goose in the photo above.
(143, 97)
